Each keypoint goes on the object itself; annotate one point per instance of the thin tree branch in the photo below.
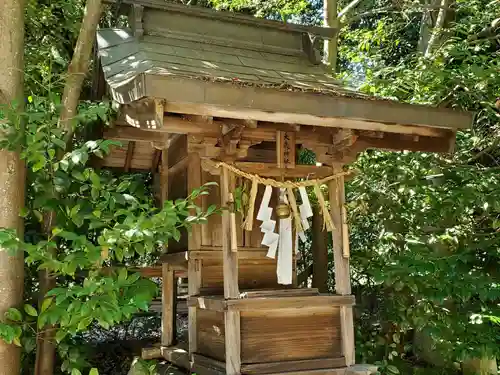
(79, 66)
(391, 9)
(348, 8)
(438, 28)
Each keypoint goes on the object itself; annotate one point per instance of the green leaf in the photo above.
(59, 143)
(24, 212)
(17, 341)
(93, 371)
(46, 304)
(392, 369)
(60, 335)
(75, 371)
(14, 314)
(30, 310)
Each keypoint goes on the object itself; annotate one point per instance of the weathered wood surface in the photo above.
(257, 160)
(279, 301)
(168, 65)
(168, 325)
(252, 274)
(341, 265)
(280, 293)
(194, 284)
(209, 362)
(233, 342)
(286, 366)
(178, 355)
(229, 258)
(211, 334)
(290, 334)
(268, 303)
(229, 17)
(194, 182)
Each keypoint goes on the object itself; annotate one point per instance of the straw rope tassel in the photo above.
(295, 210)
(328, 222)
(248, 224)
(270, 181)
(346, 252)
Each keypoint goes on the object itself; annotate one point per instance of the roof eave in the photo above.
(205, 97)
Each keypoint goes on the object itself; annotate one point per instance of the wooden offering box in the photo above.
(271, 331)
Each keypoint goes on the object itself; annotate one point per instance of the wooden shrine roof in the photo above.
(225, 67)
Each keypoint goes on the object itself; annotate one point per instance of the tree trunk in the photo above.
(480, 366)
(438, 28)
(12, 173)
(79, 66)
(320, 252)
(77, 70)
(331, 46)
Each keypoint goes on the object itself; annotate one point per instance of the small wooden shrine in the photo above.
(209, 96)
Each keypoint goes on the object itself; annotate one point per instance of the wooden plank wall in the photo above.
(252, 274)
(290, 334)
(211, 232)
(211, 334)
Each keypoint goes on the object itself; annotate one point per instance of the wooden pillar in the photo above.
(168, 306)
(229, 258)
(194, 182)
(341, 264)
(233, 342)
(164, 176)
(319, 252)
(194, 286)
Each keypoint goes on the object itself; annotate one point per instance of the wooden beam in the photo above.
(194, 285)
(271, 170)
(263, 104)
(149, 353)
(232, 337)
(179, 260)
(130, 133)
(229, 258)
(393, 142)
(341, 265)
(194, 182)
(311, 137)
(164, 174)
(213, 304)
(274, 303)
(176, 260)
(286, 366)
(177, 355)
(130, 156)
(208, 362)
(168, 308)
